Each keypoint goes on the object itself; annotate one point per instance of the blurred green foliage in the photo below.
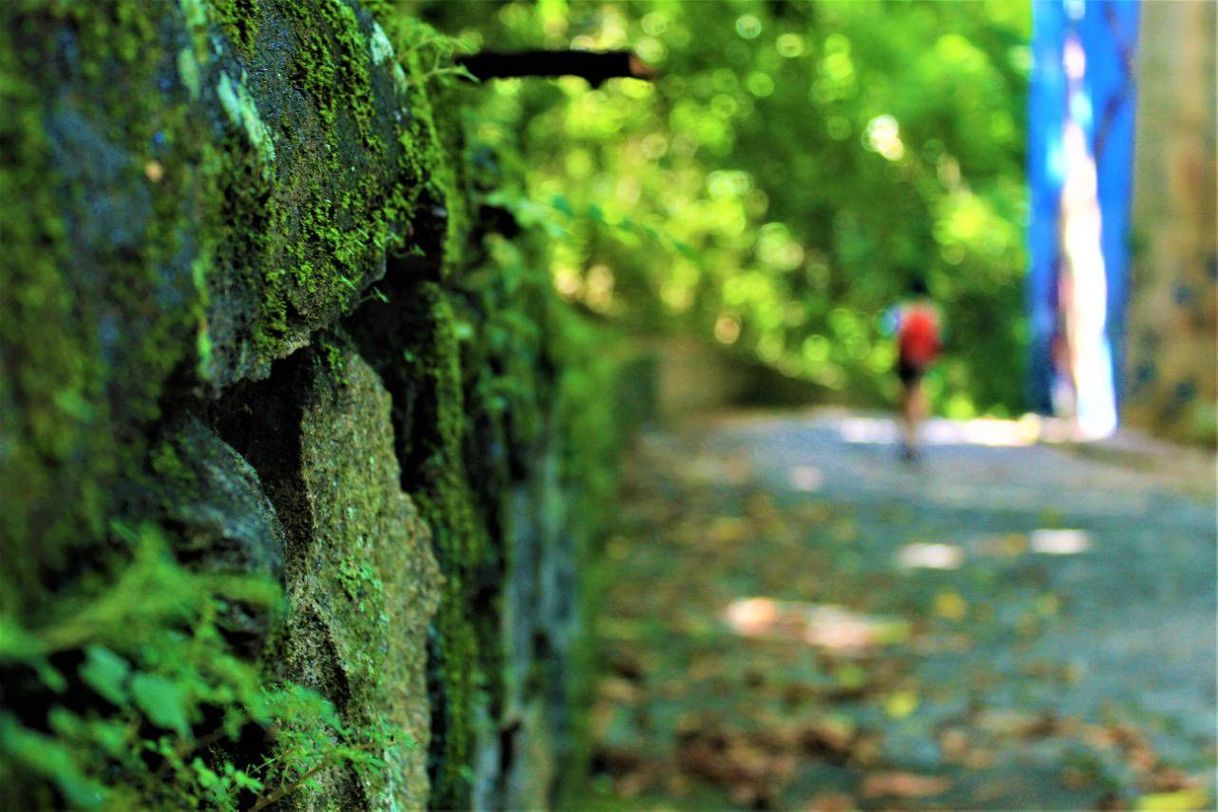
(791, 169)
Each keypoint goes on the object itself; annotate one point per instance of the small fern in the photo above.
(436, 53)
(144, 704)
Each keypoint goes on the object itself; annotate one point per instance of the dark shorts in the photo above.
(910, 372)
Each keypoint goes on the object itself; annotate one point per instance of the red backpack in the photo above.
(918, 336)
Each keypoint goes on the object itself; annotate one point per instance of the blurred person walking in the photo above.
(917, 329)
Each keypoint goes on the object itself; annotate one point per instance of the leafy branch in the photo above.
(558, 215)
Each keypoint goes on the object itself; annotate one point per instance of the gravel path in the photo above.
(1009, 625)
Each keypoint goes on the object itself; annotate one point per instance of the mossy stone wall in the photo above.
(249, 295)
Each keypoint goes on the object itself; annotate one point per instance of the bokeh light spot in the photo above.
(748, 26)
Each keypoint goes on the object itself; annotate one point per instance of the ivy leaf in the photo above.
(162, 701)
(112, 737)
(49, 676)
(49, 758)
(105, 672)
(206, 777)
(16, 643)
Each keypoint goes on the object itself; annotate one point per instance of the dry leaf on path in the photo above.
(821, 625)
(831, 802)
(903, 785)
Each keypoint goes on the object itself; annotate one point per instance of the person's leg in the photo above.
(906, 418)
(913, 410)
(917, 413)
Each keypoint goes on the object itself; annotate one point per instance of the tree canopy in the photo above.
(793, 167)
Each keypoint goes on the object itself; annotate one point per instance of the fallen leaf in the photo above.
(1170, 779)
(825, 626)
(979, 759)
(867, 749)
(953, 743)
(619, 690)
(677, 785)
(1016, 723)
(850, 677)
(1187, 799)
(950, 605)
(901, 704)
(830, 734)
(1048, 604)
(752, 617)
(831, 802)
(813, 512)
(1076, 779)
(632, 784)
(904, 785)
(845, 530)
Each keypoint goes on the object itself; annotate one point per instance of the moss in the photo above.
(412, 342)
(177, 219)
(473, 407)
(288, 244)
(98, 202)
(238, 19)
(331, 63)
(424, 145)
(466, 654)
(170, 206)
(366, 570)
(336, 219)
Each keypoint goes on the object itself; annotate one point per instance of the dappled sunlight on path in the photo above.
(795, 619)
(856, 429)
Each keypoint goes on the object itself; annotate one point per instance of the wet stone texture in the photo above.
(216, 497)
(534, 624)
(199, 197)
(361, 581)
(224, 522)
(367, 575)
(190, 192)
